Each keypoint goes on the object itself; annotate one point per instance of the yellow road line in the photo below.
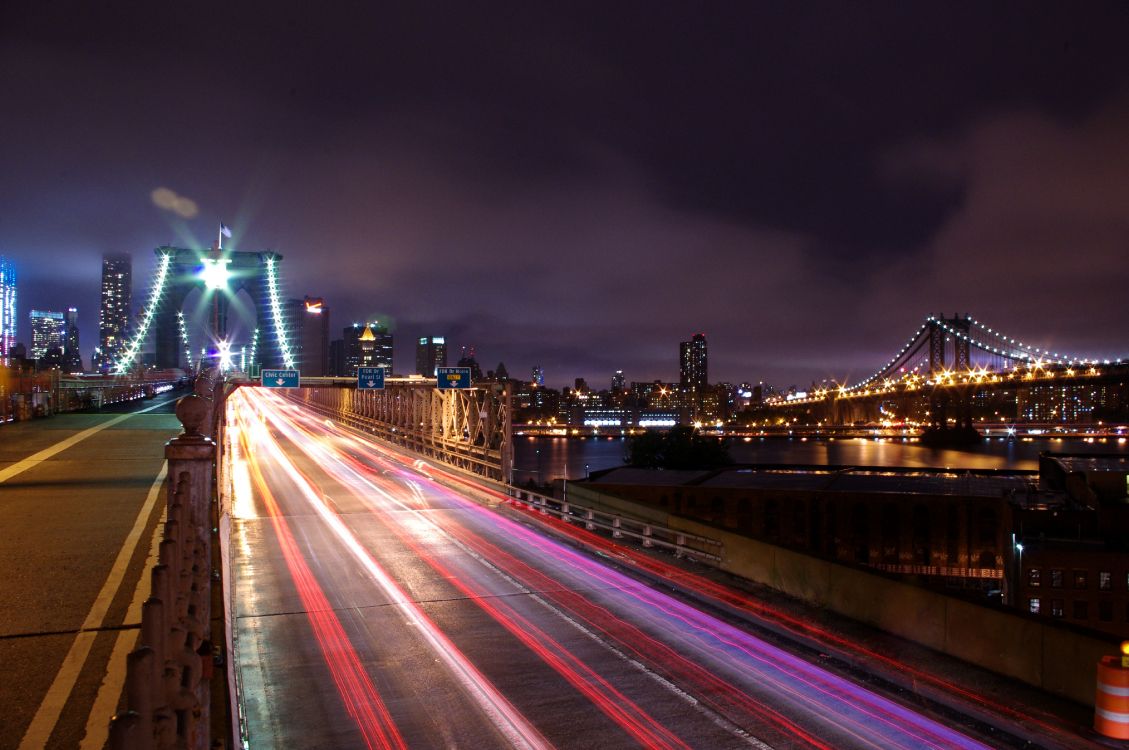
(34, 460)
(43, 724)
(110, 691)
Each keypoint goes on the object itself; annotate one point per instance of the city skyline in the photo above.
(557, 190)
(242, 320)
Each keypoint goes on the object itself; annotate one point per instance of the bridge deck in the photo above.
(77, 518)
(375, 606)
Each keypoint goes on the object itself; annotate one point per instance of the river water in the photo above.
(548, 458)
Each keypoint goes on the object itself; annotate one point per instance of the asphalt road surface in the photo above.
(377, 607)
(79, 505)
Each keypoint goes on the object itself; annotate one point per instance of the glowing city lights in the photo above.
(155, 294)
(184, 338)
(276, 312)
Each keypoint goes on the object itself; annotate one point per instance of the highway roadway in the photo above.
(378, 607)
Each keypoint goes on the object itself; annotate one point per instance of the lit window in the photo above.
(1033, 577)
(1056, 579)
(1105, 580)
(1056, 607)
(1079, 579)
(1033, 605)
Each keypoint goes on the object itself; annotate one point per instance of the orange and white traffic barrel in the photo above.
(1111, 702)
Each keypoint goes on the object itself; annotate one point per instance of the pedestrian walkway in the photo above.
(79, 507)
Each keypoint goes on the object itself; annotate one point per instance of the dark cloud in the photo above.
(582, 187)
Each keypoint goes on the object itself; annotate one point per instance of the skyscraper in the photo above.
(7, 309)
(368, 345)
(307, 320)
(431, 353)
(72, 355)
(47, 332)
(117, 296)
(381, 348)
(312, 335)
(619, 383)
(694, 369)
(537, 375)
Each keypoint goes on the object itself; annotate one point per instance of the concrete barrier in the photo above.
(1060, 660)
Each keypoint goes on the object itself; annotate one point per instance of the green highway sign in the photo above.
(280, 379)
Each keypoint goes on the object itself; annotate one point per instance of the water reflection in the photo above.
(547, 458)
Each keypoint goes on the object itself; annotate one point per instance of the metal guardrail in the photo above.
(168, 676)
(691, 546)
(469, 429)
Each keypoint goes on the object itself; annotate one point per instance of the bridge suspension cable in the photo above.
(155, 294)
(184, 338)
(276, 313)
(967, 334)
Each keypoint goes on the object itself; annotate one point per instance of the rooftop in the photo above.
(835, 479)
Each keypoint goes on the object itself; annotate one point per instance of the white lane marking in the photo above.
(34, 460)
(510, 722)
(110, 691)
(43, 724)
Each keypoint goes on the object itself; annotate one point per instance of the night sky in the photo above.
(584, 186)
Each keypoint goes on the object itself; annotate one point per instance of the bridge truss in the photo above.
(469, 429)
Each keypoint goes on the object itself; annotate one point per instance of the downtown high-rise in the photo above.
(72, 355)
(48, 330)
(694, 369)
(431, 353)
(7, 309)
(117, 298)
(367, 345)
(310, 331)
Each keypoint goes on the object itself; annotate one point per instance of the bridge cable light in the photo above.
(155, 294)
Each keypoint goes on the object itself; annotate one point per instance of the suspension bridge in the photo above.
(958, 372)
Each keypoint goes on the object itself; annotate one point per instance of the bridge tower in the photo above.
(945, 401)
(939, 338)
(181, 270)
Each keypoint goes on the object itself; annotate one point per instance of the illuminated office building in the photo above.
(367, 345)
(7, 309)
(308, 321)
(431, 353)
(619, 383)
(117, 296)
(47, 332)
(694, 370)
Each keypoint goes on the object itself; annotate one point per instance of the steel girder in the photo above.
(469, 429)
